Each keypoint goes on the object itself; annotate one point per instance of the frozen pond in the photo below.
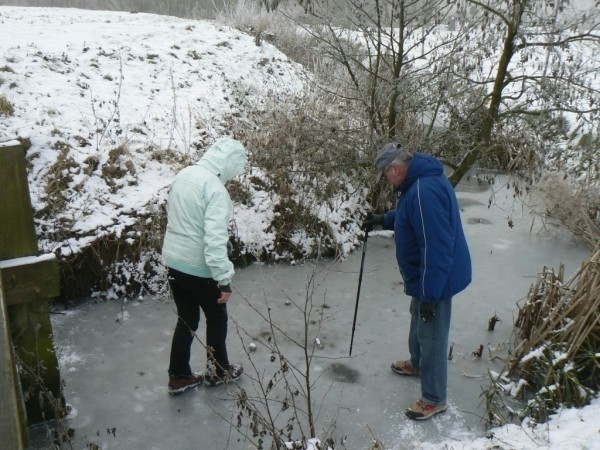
(114, 356)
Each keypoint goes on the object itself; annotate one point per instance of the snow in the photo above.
(9, 143)
(568, 429)
(312, 444)
(97, 79)
(25, 261)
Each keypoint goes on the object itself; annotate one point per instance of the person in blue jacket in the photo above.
(434, 260)
(199, 210)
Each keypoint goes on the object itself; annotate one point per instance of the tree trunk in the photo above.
(482, 140)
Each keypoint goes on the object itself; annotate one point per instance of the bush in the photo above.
(312, 162)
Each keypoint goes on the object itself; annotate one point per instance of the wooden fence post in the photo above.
(13, 425)
(28, 281)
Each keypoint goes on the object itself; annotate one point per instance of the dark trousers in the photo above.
(190, 294)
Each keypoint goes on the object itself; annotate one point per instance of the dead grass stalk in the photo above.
(557, 337)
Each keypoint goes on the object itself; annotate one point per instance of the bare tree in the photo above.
(519, 95)
(379, 50)
(504, 79)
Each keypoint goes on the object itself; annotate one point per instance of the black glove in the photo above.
(225, 288)
(428, 312)
(372, 220)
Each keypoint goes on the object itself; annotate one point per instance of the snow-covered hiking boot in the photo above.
(179, 385)
(233, 373)
(402, 367)
(423, 411)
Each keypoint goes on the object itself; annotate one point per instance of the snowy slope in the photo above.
(115, 103)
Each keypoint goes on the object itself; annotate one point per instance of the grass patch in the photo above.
(6, 107)
(118, 167)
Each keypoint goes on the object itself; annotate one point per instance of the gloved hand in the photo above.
(372, 220)
(428, 312)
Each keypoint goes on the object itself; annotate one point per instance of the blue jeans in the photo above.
(428, 346)
(192, 294)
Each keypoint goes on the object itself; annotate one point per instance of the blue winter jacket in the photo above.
(431, 248)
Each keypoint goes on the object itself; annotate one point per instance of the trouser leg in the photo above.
(433, 366)
(216, 329)
(413, 340)
(188, 317)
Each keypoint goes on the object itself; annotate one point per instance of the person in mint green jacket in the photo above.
(199, 210)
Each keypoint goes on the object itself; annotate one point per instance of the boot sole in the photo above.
(399, 371)
(183, 389)
(416, 416)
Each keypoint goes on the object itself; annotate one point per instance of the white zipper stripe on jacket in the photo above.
(424, 238)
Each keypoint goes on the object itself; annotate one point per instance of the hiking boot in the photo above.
(402, 367)
(179, 385)
(233, 373)
(423, 411)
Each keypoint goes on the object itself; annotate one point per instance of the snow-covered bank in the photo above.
(569, 429)
(106, 99)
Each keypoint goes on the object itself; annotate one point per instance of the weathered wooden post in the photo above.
(28, 280)
(13, 426)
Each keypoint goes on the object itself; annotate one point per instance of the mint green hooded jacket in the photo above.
(199, 211)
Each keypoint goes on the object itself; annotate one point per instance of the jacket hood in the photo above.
(422, 165)
(226, 158)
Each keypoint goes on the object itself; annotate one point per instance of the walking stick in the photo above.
(362, 265)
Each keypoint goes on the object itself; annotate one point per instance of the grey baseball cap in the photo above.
(389, 153)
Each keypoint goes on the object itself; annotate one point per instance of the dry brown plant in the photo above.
(575, 204)
(557, 334)
(6, 107)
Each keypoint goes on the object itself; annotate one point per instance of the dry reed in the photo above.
(558, 337)
(561, 312)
